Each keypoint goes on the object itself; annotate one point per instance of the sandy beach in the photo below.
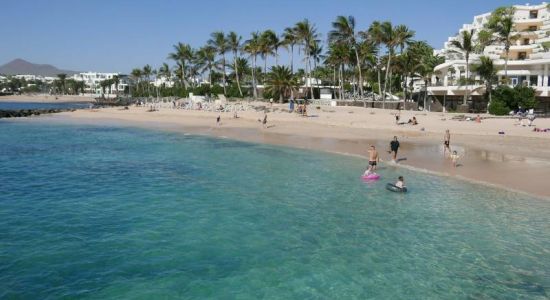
(45, 98)
(518, 160)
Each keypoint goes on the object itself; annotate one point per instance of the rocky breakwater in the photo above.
(29, 112)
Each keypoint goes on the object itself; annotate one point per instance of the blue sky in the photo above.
(118, 35)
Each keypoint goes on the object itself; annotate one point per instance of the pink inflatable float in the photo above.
(371, 177)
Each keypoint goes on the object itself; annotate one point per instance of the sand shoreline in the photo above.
(517, 162)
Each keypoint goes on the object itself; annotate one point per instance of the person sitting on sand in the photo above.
(400, 182)
(478, 119)
(454, 158)
(373, 160)
(413, 121)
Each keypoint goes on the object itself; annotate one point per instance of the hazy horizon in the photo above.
(116, 36)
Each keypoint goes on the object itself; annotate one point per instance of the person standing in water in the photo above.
(373, 160)
(447, 142)
(394, 146)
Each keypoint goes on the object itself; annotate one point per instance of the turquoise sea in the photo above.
(108, 212)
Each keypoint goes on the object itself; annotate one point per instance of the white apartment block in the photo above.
(93, 80)
(528, 60)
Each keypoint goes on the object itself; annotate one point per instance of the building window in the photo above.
(533, 14)
(533, 80)
(526, 41)
(522, 55)
(514, 81)
(533, 28)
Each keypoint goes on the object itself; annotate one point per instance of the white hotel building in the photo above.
(92, 81)
(529, 60)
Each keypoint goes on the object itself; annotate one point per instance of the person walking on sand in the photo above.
(397, 117)
(373, 160)
(394, 146)
(264, 121)
(447, 142)
(218, 119)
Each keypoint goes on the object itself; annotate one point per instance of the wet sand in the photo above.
(519, 162)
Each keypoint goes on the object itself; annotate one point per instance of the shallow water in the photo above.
(112, 212)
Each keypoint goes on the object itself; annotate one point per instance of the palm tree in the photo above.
(465, 45)
(316, 51)
(487, 72)
(253, 47)
(183, 53)
(62, 78)
(501, 23)
(280, 82)
(290, 40)
(425, 68)
(344, 32)
(268, 40)
(116, 82)
(147, 71)
(388, 38)
(306, 34)
(374, 34)
(205, 61)
(136, 75)
(219, 43)
(234, 43)
(338, 57)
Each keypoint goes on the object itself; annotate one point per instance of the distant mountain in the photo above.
(23, 67)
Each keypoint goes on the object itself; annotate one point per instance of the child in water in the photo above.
(400, 182)
(454, 158)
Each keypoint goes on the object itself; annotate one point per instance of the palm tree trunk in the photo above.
(292, 58)
(254, 92)
(506, 65)
(342, 82)
(237, 73)
(386, 79)
(224, 81)
(276, 56)
(360, 75)
(310, 78)
(265, 71)
(379, 82)
(467, 81)
(425, 93)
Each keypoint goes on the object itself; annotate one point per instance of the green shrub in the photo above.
(506, 99)
(498, 108)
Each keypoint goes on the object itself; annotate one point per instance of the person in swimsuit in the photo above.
(454, 158)
(218, 119)
(394, 146)
(373, 160)
(400, 182)
(447, 142)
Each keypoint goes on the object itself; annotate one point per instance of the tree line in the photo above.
(379, 60)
